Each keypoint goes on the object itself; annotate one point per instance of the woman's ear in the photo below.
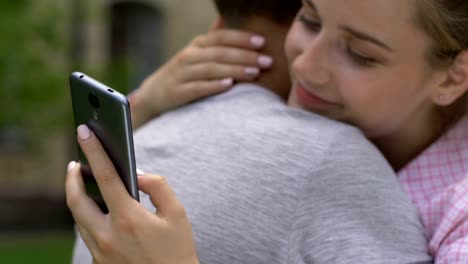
(217, 24)
(455, 83)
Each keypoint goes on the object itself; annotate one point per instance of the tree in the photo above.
(33, 72)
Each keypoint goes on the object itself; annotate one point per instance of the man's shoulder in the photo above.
(250, 101)
(243, 98)
(252, 112)
(247, 89)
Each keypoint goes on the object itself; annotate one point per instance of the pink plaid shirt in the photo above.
(437, 181)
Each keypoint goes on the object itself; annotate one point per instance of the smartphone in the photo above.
(107, 113)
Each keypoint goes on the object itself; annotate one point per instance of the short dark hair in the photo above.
(237, 11)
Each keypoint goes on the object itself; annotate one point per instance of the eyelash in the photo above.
(357, 58)
(312, 25)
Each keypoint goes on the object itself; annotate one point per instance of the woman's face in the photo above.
(361, 62)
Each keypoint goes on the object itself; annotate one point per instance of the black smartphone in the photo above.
(107, 113)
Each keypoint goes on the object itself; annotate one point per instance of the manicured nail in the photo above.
(257, 41)
(140, 172)
(226, 82)
(265, 61)
(252, 71)
(83, 132)
(71, 165)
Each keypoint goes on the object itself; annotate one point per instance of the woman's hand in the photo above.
(128, 233)
(208, 65)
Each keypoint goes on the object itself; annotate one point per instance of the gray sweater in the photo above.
(264, 183)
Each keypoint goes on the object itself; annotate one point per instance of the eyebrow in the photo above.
(364, 36)
(355, 33)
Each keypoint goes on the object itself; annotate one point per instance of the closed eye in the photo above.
(309, 23)
(360, 59)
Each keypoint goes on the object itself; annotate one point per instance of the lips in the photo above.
(310, 100)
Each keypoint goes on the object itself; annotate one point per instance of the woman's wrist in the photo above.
(139, 110)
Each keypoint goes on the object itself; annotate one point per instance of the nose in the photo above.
(312, 61)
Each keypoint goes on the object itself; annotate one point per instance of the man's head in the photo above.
(237, 12)
(270, 19)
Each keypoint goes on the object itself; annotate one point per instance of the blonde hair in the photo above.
(446, 22)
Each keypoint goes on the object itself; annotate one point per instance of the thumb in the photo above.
(161, 194)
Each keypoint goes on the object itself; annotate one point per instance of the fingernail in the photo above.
(226, 82)
(140, 172)
(71, 165)
(265, 61)
(252, 71)
(83, 132)
(257, 41)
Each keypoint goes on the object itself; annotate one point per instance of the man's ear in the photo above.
(217, 24)
(455, 83)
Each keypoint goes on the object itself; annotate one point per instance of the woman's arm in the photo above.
(208, 65)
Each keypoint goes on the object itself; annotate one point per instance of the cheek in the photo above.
(381, 102)
(362, 94)
(368, 105)
(385, 87)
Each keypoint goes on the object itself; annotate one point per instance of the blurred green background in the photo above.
(41, 42)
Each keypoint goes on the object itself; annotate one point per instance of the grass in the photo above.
(36, 248)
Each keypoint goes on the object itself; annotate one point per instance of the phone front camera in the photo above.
(93, 100)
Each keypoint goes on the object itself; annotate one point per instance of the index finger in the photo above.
(230, 37)
(111, 186)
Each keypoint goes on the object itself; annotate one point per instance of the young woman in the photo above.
(399, 71)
